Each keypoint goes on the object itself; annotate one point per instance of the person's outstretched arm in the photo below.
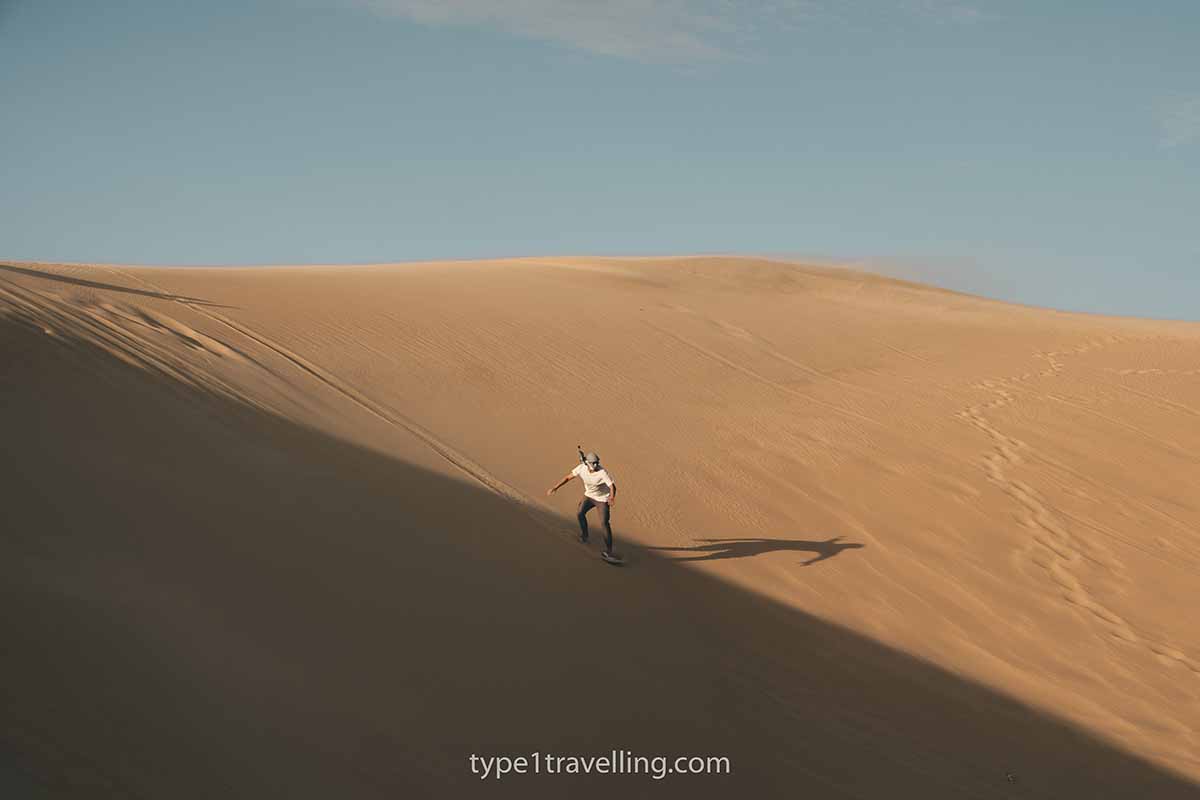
(560, 484)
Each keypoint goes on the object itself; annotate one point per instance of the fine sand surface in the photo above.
(283, 532)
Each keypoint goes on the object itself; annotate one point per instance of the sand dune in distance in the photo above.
(283, 532)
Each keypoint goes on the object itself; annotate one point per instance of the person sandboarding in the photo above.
(599, 492)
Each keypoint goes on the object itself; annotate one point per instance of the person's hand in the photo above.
(549, 492)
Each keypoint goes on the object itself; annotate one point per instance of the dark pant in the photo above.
(585, 505)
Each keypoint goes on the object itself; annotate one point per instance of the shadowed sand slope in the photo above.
(282, 532)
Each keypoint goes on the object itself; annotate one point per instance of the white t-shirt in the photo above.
(595, 484)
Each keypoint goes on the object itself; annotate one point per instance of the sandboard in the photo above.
(615, 559)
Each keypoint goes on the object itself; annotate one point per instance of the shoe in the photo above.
(583, 540)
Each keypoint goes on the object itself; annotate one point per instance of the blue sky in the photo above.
(1042, 152)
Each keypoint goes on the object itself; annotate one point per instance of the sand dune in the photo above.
(283, 532)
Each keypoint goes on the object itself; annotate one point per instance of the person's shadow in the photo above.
(745, 548)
